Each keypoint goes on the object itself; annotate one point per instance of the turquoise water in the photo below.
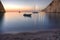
(15, 22)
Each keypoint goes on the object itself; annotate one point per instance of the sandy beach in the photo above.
(42, 35)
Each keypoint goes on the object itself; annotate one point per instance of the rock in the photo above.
(54, 6)
(2, 10)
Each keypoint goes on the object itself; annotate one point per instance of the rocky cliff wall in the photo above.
(1, 7)
(54, 6)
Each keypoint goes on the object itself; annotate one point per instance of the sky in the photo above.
(16, 5)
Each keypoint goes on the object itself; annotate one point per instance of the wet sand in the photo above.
(41, 35)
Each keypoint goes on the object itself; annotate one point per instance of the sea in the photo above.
(15, 22)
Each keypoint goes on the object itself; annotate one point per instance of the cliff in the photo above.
(54, 6)
(2, 10)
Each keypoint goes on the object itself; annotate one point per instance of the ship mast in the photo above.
(34, 5)
(35, 11)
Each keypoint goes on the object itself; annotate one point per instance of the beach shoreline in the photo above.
(41, 35)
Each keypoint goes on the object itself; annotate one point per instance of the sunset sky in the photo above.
(16, 5)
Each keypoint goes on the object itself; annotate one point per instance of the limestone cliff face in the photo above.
(2, 10)
(54, 6)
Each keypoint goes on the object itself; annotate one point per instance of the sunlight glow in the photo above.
(24, 5)
(17, 8)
